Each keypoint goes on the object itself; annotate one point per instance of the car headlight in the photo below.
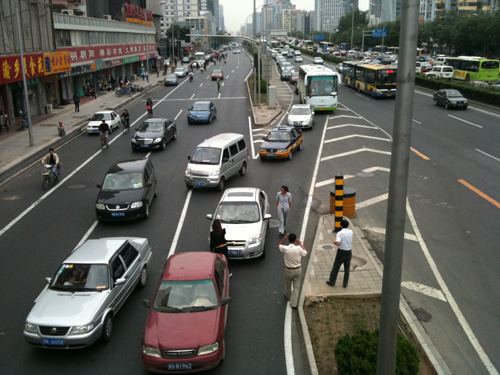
(134, 140)
(100, 206)
(31, 328)
(187, 172)
(215, 173)
(208, 349)
(157, 140)
(136, 205)
(80, 330)
(255, 239)
(283, 150)
(151, 352)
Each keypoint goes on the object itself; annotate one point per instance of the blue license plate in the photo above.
(144, 145)
(180, 366)
(117, 214)
(53, 342)
(234, 252)
(96, 130)
(271, 154)
(200, 183)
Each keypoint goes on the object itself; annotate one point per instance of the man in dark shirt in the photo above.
(104, 131)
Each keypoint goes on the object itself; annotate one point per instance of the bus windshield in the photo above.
(321, 86)
(386, 76)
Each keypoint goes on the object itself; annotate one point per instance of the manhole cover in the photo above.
(421, 314)
(77, 187)
(273, 223)
(364, 174)
(357, 262)
(327, 247)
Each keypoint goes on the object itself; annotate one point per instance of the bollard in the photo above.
(339, 200)
(350, 202)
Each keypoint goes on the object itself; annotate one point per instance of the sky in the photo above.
(237, 11)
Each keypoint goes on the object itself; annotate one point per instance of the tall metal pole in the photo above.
(352, 26)
(254, 20)
(23, 68)
(398, 186)
(259, 75)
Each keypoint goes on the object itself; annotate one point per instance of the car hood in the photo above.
(97, 123)
(274, 145)
(198, 113)
(300, 118)
(120, 196)
(171, 331)
(457, 99)
(241, 232)
(148, 134)
(60, 308)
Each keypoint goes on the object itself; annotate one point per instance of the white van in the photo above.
(440, 60)
(215, 160)
(440, 71)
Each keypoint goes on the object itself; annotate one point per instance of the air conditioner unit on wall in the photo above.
(67, 11)
(107, 17)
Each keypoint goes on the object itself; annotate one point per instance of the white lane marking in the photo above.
(251, 139)
(355, 152)
(232, 71)
(372, 201)
(424, 289)
(176, 117)
(453, 304)
(332, 180)
(363, 96)
(210, 98)
(227, 76)
(248, 75)
(467, 122)
(418, 122)
(374, 169)
(287, 338)
(192, 96)
(356, 136)
(173, 246)
(408, 236)
(353, 125)
(86, 235)
(484, 153)
(222, 84)
(201, 84)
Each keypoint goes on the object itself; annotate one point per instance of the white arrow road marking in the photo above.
(355, 152)
(353, 125)
(366, 170)
(424, 289)
(408, 236)
(356, 136)
(343, 116)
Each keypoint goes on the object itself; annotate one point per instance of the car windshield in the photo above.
(217, 71)
(186, 296)
(453, 94)
(278, 136)
(100, 117)
(81, 277)
(206, 155)
(122, 181)
(300, 111)
(200, 106)
(179, 70)
(171, 76)
(238, 212)
(151, 127)
(295, 74)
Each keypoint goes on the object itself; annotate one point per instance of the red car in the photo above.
(187, 318)
(217, 73)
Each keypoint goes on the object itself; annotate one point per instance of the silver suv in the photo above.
(244, 213)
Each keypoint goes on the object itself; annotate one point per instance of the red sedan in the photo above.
(187, 318)
(217, 73)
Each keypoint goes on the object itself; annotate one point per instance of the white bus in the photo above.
(199, 57)
(318, 87)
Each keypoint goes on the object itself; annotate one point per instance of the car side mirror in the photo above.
(210, 216)
(189, 157)
(99, 186)
(226, 301)
(48, 280)
(225, 160)
(146, 303)
(267, 216)
(120, 281)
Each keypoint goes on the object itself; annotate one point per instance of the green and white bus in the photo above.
(318, 86)
(471, 68)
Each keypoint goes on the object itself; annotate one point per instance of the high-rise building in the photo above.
(329, 12)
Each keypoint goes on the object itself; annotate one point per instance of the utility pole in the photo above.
(398, 186)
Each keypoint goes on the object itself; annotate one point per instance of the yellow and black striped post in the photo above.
(339, 200)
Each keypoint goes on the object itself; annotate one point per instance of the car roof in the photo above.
(301, 106)
(247, 194)
(103, 112)
(202, 102)
(100, 250)
(196, 265)
(128, 166)
(220, 140)
(156, 119)
(283, 128)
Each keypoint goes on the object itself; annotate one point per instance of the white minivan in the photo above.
(215, 160)
(440, 71)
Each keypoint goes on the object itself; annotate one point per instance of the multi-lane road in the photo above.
(450, 266)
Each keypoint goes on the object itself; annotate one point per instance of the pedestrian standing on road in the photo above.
(149, 107)
(104, 131)
(143, 74)
(126, 119)
(293, 253)
(344, 254)
(147, 76)
(218, 84)
(283, 204)
(76, 101)
(218, 243)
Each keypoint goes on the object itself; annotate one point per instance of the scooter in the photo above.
(48, 177)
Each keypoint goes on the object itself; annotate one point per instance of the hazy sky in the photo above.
(237, 11)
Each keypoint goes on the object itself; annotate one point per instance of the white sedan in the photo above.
(111, 117)
(318, 60)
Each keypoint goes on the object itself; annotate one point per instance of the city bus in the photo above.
(199, 57)
(317, 86)
(374, 79)
(327, 46)
(309, 44)
(470, 68)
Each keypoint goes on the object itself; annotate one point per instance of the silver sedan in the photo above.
(77, 306)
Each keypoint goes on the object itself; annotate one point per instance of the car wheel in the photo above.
(290, 155)
(371, 93)
(263, 252)
(300, 146)
(110, 129)
(143, 278)
(107, 328)
(222, 182)
(465, 108)
(163, 144)
(359, 90)
(146, 210)
(174, 137)
(447, 106)
(156, 191)
(437, 103)
(243, 170)
(189, 186)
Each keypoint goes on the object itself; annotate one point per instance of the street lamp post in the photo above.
(352, 26)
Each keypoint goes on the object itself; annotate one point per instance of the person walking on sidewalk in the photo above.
(283, 204)
(293, 253)
(147, 76)
(344, 254)
(149, 107)
(76, 101)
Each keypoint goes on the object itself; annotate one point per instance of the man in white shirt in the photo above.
(293, 254)
(344, 254)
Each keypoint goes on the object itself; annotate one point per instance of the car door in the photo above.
(115, 298)
(213, 110)
(130, 257)
(264, 209)
(167, 129)
(294, 134)
(149, 178)
(235, 165)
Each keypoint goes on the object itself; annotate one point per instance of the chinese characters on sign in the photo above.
(91, 53)
(135, 14)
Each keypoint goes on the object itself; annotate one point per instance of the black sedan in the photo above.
(127, 191)
(450, 98)
(154, 134)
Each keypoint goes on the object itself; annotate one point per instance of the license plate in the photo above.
(117, 214)
(271, 154)
(53, 342)
(180, 366)
(234, 252)
(96, 130)
(200, 183)
(144, 145)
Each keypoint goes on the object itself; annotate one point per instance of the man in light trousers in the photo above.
(283, 204)
(293, 254)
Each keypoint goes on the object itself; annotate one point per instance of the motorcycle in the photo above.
(48, 177)
(123, 91)
(191, 77)
(126, 125)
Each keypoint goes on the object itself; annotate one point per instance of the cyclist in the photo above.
(52, 159)
(104, 131)
(125, 120)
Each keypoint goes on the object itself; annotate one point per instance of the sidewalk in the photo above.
(15, 150)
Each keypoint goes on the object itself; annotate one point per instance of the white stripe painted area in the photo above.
(218, 97)
(363, 96)
(173, 246)
(375, 169)
(287, 337)
(418, 122)
(211, 98)
(356, 136)
(345, 116)
(176, 117)
(251, 139)
(484, 153)
(332, 181)
(372, 201)
(424, 289)
(192, 96)
(467, 122)
(453, 304)
(408, 236)
(259, 141)
(355, 152)
(353, 125)
(86, 235)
